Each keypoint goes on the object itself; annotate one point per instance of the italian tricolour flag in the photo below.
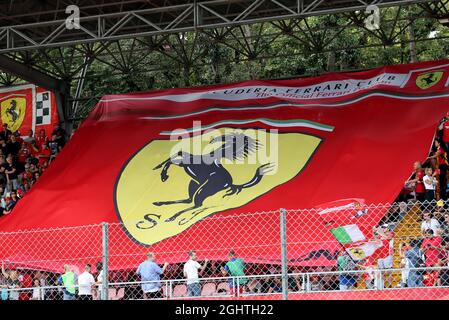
(348, 234)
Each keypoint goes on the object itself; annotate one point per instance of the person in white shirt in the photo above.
(191, 270)
(429, 223)
(99, 288)
(405, 264)
(38, 293)
(86, 281)
(430, 183)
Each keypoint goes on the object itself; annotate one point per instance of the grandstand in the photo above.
(259, 134)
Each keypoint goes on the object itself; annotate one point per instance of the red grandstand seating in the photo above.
(224, 286)
(209, 289)
(120, 294)
(112, 294)
(180, 291)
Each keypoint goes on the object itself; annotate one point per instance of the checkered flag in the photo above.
(43, 108)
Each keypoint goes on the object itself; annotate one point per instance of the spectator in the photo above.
(3, 288)
(370, 276)
(295, 283)
(3, 179)
(11, 174)
(3, 150)
(420, 191)
(431, 246)
(444, 263)
(53, 293)
(38, 293)
(235, 267)
(11, 202)
(69, 281)
(13, 146)
(54, 145)
(26, 281)
(132, 291)
(5, 281)
(86, 282)
(444, 127)
(6, 133)
(275, 281)
(44, 155)
(14, 285)
(150, 273)
(41, 138)
(27, 175)
(23, 154)
(385, 254)
(34, 168)
(404, 264)
(34, 152)
(430, 183)
(42, 277)
(415, 258)
(348, 280)
(191, 270)
(445, 228)
(429, 223)
(29, 138)
(442, 161)
(60, 134)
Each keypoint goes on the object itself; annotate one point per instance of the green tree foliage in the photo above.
(270, 50)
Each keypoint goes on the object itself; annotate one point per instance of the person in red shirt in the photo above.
(420, 190)
(27, 175)
(44, 155)
(26, 282)
(384, 254)
(34, 149)
(41, 138)
(441, 156)
(444, 127)
(24, 153)
(431, 246)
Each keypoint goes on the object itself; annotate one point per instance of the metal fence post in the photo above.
(283, 225)
(104, 281)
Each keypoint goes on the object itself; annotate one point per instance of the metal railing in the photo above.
(285, 244)
(219, 287)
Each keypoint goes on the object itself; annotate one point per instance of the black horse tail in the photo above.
(260, 172)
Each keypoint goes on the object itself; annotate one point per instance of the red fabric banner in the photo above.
(316, 140)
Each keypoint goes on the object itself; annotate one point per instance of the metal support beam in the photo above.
(105, 253)
(59, 87)
(166, 19)
(283, 226)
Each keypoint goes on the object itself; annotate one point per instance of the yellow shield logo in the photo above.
(13, 112)
(357, 253)
(170, 185)
(429, 79)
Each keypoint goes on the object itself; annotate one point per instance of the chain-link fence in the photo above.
(397, 251)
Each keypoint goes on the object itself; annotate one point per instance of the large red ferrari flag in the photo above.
(168, 165)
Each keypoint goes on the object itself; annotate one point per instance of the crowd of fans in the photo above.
(23, 160)
(428, 185)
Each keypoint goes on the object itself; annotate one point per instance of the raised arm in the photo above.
(204, 265)
(3, 269)
(164, 267)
